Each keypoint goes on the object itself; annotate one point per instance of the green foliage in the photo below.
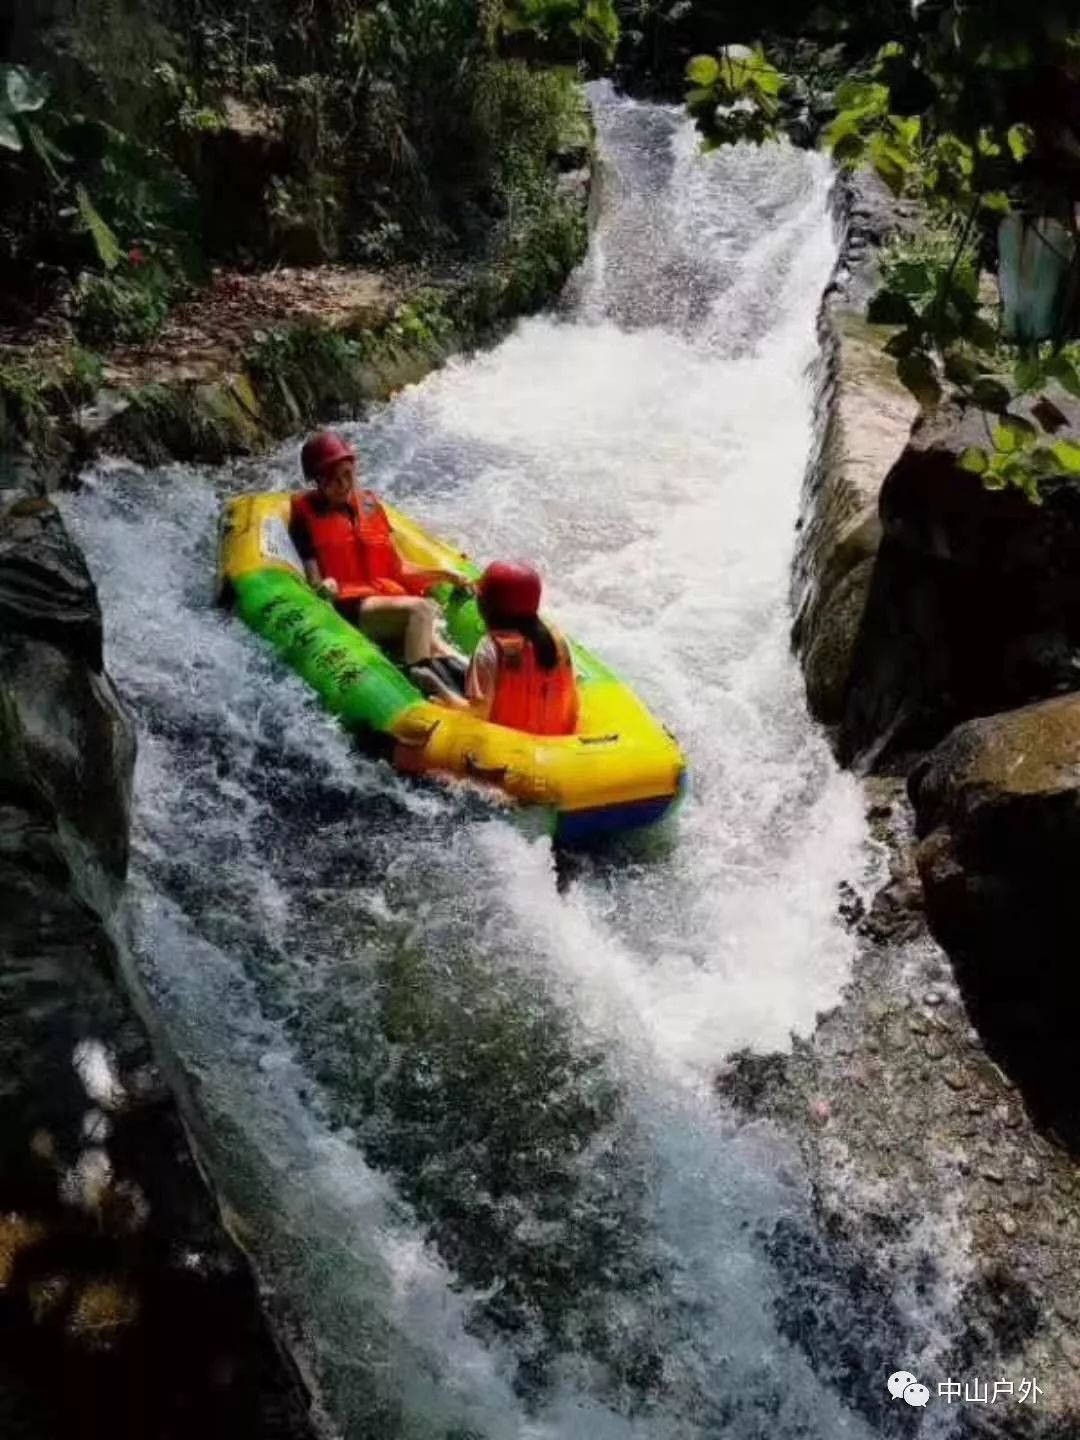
(735, 95)
(126, 307)
(308, 370)
(968, 108)
(567, 31)
(35, 393)
(105, 242)
(383, 130)
(146, 200)
(421, 323)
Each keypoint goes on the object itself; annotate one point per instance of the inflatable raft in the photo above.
(619, 771)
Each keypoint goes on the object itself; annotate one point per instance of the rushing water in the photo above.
(464, 1116)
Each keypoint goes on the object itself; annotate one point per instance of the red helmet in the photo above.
(510, 590)
(323, 449)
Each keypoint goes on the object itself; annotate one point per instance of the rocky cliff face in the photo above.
(975, 602)
(932, 612)
(866, 418)
(125, 1309)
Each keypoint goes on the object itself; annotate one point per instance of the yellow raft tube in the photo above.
(620, 770)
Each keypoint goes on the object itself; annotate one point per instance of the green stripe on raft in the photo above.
(355, 680)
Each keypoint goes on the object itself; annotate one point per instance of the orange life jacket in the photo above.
(355, 547)
(526, 696)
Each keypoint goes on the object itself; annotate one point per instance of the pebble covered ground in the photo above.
(945, 1220)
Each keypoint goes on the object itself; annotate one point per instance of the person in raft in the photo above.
(522, 673)
(343, 536)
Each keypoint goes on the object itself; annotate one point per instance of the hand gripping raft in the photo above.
(619, 771)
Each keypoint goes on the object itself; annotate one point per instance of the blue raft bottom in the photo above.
(581, 827)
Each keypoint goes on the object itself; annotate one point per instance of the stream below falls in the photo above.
(462, 1115)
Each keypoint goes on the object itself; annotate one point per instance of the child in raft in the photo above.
(522, 674)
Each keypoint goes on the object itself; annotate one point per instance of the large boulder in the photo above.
(998, 815)
(974, 605)
(125, 1309)
(66, 745)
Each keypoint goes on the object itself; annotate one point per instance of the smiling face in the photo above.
(899, 1382)
(916, 1395)
(336, 481)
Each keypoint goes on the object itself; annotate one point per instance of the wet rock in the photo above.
(46, 592)
(66, 745)
(975, 600)
(1032, 1170)
(750, 1081)
(998, 808)
(105, 1330)
(1006, 1224)
(868, 417)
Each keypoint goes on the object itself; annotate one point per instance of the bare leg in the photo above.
(406, 618)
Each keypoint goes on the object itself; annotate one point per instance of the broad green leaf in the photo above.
(44, 149)
(1028, 373)
(1042, 462)
(839, 129)
(1065, 372)
(997, 202)
(10, 138)
(907, 129)
(988, 145)
(891, 163)
(862, 95)
(1014, 435)
(1015, 469)
(701, 95)
(912, 277)
(917, 372)
(21, 93)
(703, 70)
(974, 461)
(105, 242)
(893, 51)
(994, 480)
(1067, 455)
(1021, 139)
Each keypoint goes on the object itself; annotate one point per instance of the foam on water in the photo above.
(466, 1120)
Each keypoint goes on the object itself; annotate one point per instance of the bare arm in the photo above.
(428, 576)
(298, 533)
(480, 682)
